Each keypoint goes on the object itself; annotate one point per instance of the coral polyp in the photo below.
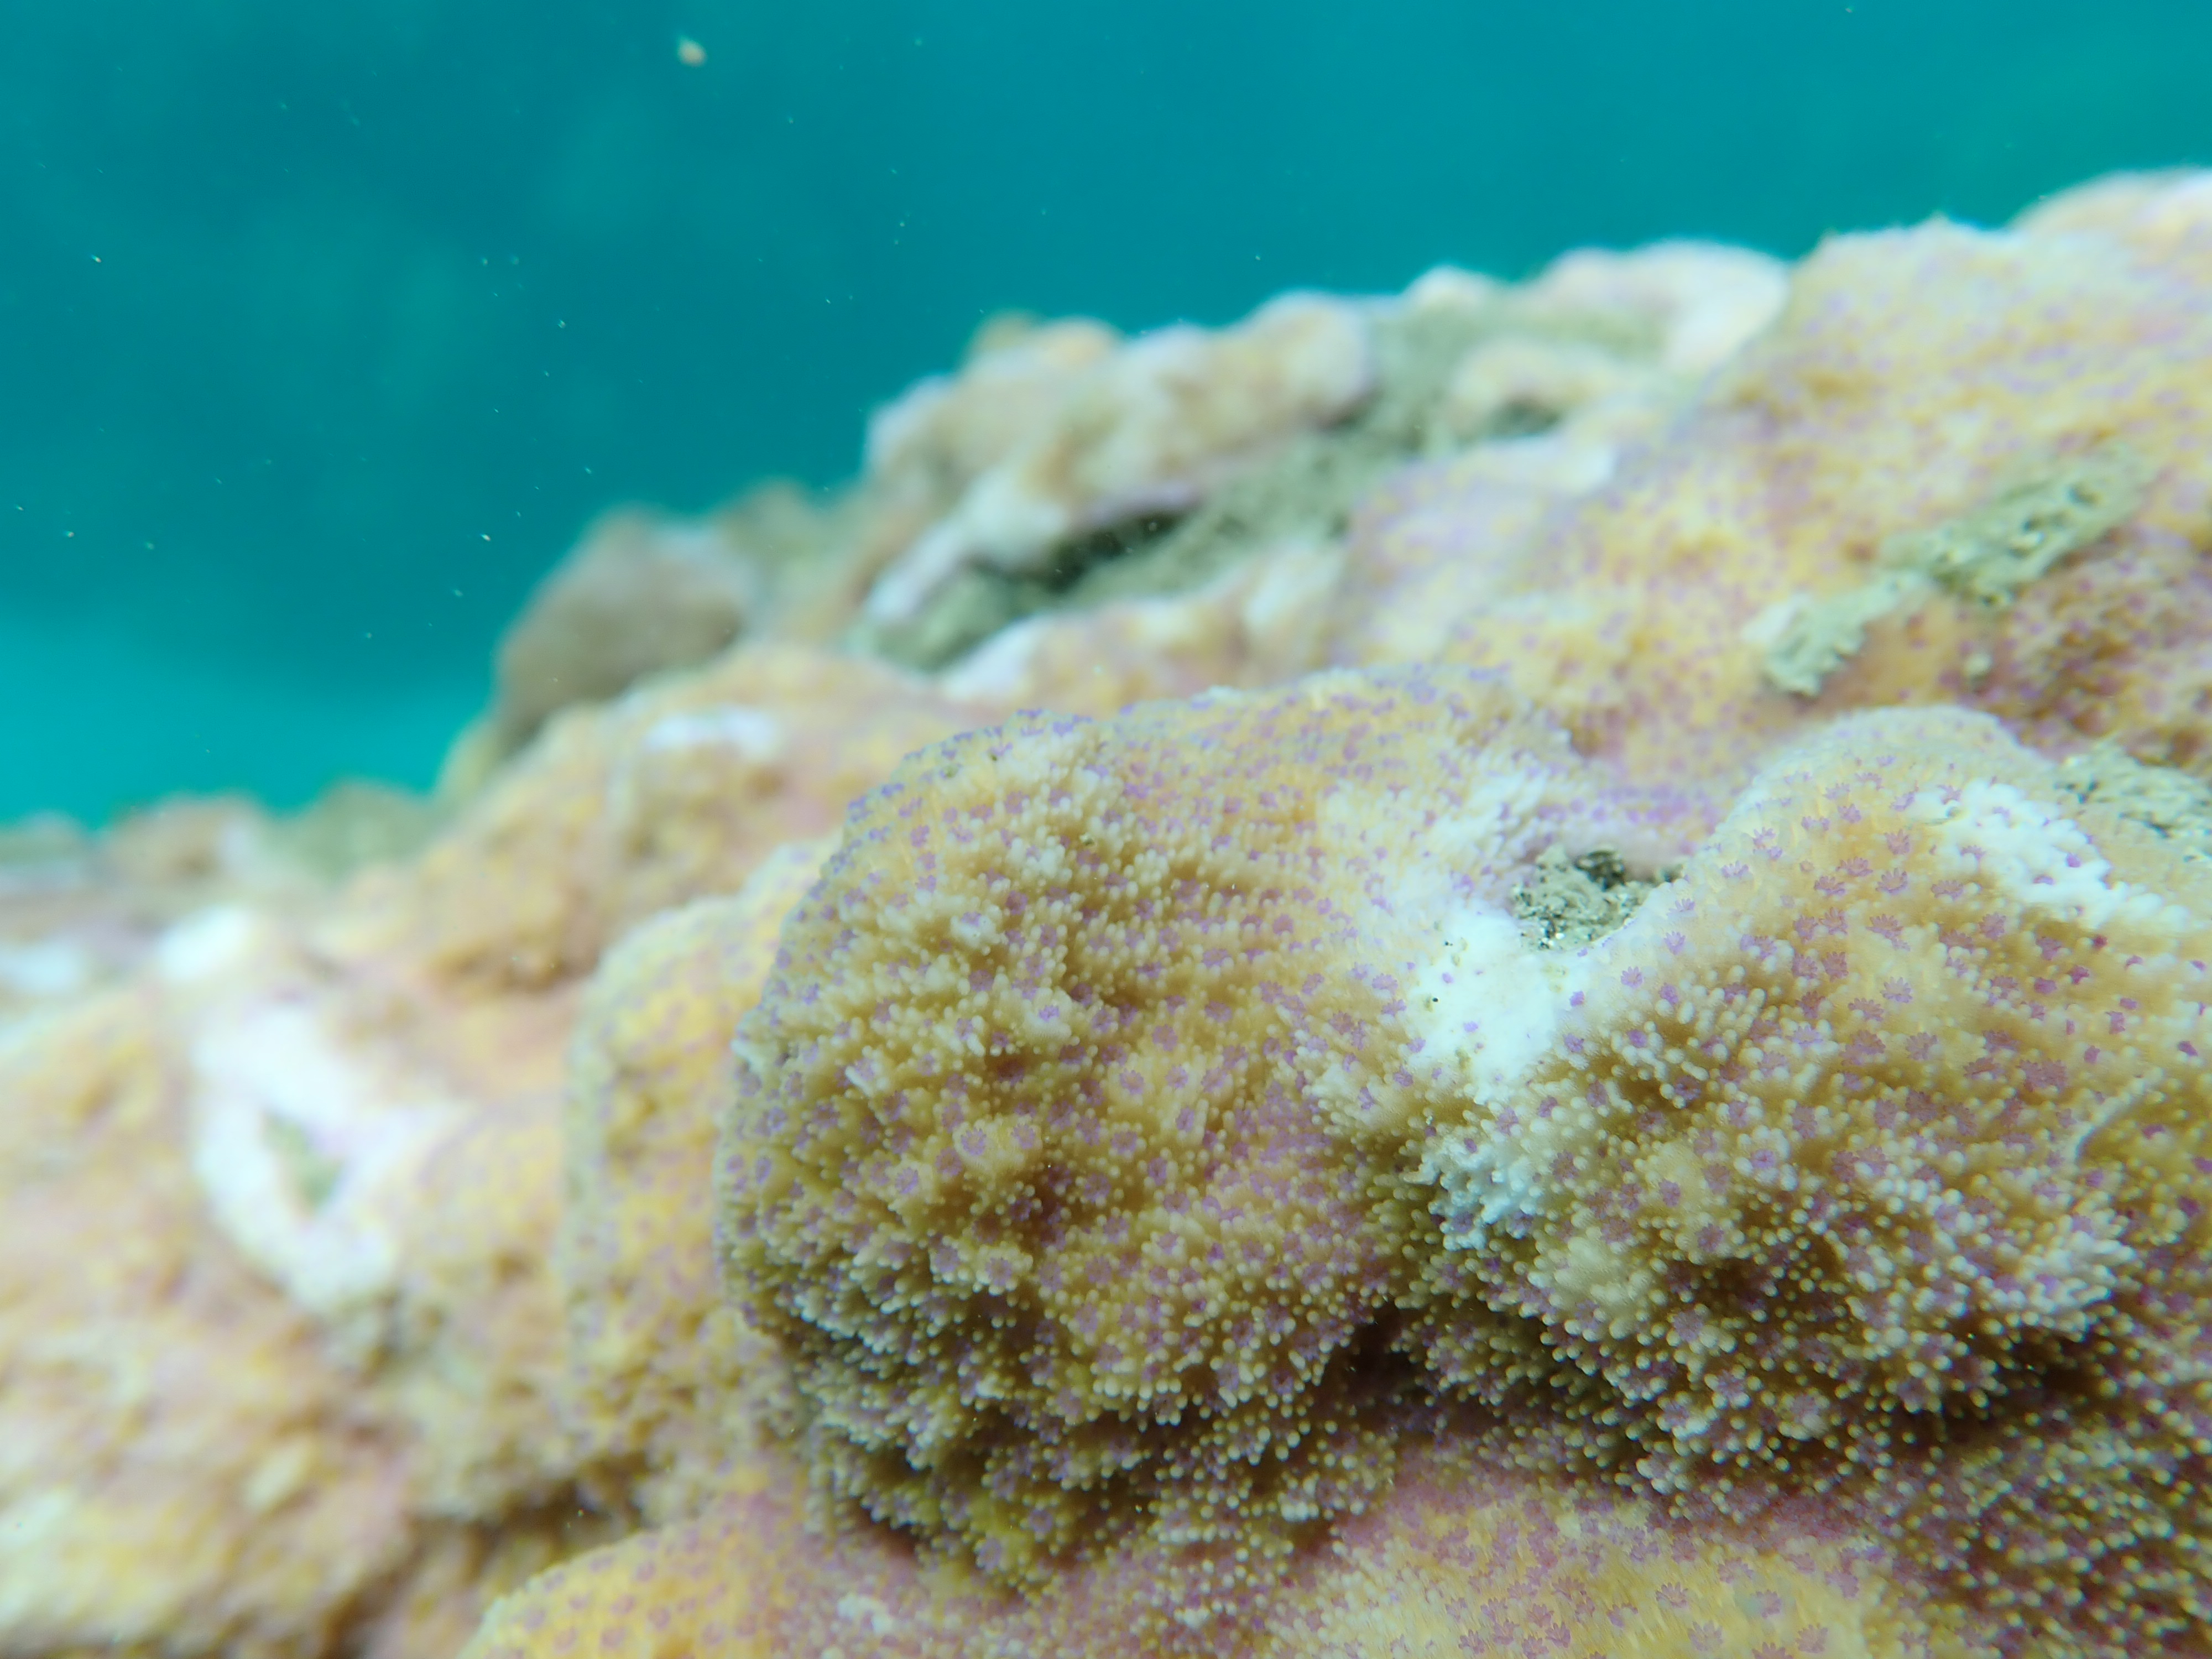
(1040, 1156)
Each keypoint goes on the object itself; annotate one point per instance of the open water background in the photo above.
(324, 327)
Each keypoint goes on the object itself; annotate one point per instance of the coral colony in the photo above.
(1516, 970)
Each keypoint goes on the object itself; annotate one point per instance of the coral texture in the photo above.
(1917, 382)
(1145, 430)
(1598, 348)
(180, 1465)
(1046, 1159)
(1868, 1157)
(670, 792)
(1617, 1067)
(670, 1383)
(1460, 1558)
(287, 1366)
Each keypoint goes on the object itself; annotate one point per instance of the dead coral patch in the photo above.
(1541, 359)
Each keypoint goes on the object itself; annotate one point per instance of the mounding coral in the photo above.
(1147, 428)
(1955, 470)
(289, 1368)
(1153, 1127)
(1576, 1024)
(1869, 1158)
(1049, 1168)
(670, 1382)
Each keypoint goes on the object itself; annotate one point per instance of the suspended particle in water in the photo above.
(690, 52)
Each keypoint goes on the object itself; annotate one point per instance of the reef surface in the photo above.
(1521, 969)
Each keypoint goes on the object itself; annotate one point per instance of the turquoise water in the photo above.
(324, 328)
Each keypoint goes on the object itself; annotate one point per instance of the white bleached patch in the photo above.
(207, 943)
(45, 968)
(1489, 1182)
(757, 736)
(306, 1152)
(1487, 1001)
(871, 1612)
(1482, 1003)
(1490, 1005)
(2035, 854)
(1480, 837)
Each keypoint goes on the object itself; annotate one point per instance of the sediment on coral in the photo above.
(2170, 804)
(1571, 900)
(1880, 407)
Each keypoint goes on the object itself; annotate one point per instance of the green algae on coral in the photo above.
(1988, 554)
(1985, 555)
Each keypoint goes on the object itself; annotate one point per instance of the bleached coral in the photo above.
(1859, 1164)
(2166, 216)
(1844, 1182)
(1701, 302)
(1259, 622)
(341, 1406)
(1592, 356)
(183, 1470)
(81, 910)
(945, 433)
(1149, 429)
